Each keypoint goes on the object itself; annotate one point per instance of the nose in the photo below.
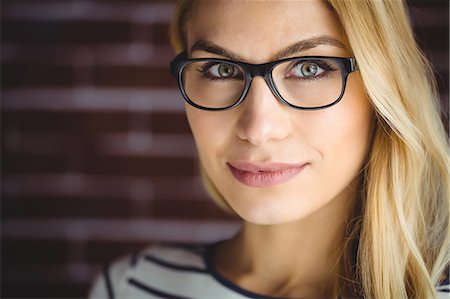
(263, 117)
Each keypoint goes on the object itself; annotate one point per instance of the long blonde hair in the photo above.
(402, 243)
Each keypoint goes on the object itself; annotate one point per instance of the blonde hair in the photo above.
(402, 243)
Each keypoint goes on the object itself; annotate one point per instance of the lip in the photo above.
(264, 174)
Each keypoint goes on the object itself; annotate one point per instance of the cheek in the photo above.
(210, 132)
(345, 131)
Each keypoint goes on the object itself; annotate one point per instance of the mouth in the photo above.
(264, 175)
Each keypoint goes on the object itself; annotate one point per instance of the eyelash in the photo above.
(320, 63)
(204, 70)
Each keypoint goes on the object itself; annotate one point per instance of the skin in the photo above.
(292, 233)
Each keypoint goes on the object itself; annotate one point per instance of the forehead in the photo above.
(257, 29)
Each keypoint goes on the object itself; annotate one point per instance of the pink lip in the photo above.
(264, 175)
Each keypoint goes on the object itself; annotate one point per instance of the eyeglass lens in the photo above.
(303, 82)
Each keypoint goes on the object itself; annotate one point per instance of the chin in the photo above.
(270, 218)
(271, 211)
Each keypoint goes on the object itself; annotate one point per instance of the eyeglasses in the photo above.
(307, 83)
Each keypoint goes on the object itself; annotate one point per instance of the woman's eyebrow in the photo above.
(207, 46)
(307, 44)
(295, 48)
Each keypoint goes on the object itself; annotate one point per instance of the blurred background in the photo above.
(97, 159)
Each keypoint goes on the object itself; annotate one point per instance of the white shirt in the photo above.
(175, 271)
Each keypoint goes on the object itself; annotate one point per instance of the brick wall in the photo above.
(97, 158)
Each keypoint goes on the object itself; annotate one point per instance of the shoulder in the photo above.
(159, 263)
(108, 280)
(166, 271)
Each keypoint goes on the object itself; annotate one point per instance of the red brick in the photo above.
(76, 162)
(133, 76)
(433, 38)
(183, 209)
(170, 123)
(67, 121)
(160, 34)
(141, 166)
(13, 289)
(104, 252)
(17, 164)
(92, 123)
(59, 207)
(14, 75)
(426, 4)
(33, 252)
(65, 32)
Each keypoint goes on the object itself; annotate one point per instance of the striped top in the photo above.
(175, 271)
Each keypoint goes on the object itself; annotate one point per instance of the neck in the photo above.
(298, 259)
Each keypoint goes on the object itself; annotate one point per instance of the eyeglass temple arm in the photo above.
(353, 65)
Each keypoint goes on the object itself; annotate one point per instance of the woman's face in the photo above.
(274, 164)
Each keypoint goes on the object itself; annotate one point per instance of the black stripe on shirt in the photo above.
(108, 283)
(174, 266)
(153, 291)
(134, 259)
(193, 248)
(444, 288)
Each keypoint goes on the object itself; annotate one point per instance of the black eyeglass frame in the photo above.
(177, 65)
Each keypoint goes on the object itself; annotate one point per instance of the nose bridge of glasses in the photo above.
(257, 69)
(261, 70)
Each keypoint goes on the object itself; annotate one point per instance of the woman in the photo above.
(316, 123)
